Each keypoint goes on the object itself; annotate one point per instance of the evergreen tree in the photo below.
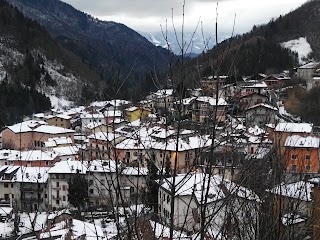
(78, 191)
(168, 168)
(153, 186)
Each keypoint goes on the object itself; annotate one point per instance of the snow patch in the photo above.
(300, 46)
(59, 103)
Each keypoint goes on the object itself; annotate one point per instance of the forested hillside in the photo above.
(260, 49)
(33, 66)
(113, 48)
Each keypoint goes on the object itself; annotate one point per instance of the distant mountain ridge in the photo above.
(195, 42)
(110, 47)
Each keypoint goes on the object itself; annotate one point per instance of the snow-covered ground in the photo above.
(301, 46)
(59, 103)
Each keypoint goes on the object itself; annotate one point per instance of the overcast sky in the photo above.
(148, 15)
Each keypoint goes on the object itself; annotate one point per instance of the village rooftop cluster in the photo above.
(112, 144)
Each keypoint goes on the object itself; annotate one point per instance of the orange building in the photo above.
(32, 135)
(301, 154)
(101, 145)
(279, 133)
(59, 120)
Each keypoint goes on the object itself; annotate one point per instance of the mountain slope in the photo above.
(33, 67)
(260, 49)
(110, 46)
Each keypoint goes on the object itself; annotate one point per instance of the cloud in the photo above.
(136, 8)
(145, 15)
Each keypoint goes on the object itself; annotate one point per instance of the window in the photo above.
(307, 167)
(307, 157)
(64, 198)
(45, 195)
(308, 149)
(168, 199)
(294, 168)
(57, 184)
(6, 185)
(294, 156)
(91, 191)
(64, 188)
(11, 185)
(57, 202)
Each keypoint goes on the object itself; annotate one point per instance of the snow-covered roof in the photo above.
(263, 105)
(53, 142)
(7, 153)
(93, 125)
(118, 102)
(294, 127)
(162, 133)
(62, 116)
(135, 171)
(68, 167)
(4, 211)
(185, 101)
(66, 151)
(38, 115)
(131, 109)
(113, 113)
(212, 101)
(184, 144)
(310, 65)
(255, 84)
(220, 188)
(32, 175)
(52, 130)
(99, 104)
(104, 136)
(34, 155)
(92, 116)
(104, 166)
(299, 190)
(303, 142)
(164, 93)
(32, 222)
(134, 144)
(26, 126)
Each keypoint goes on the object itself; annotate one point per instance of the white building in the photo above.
(59, 175)
(228, 205)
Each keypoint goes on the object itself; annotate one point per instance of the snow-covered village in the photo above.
(109, 133)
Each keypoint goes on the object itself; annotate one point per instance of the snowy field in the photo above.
(301, 46)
